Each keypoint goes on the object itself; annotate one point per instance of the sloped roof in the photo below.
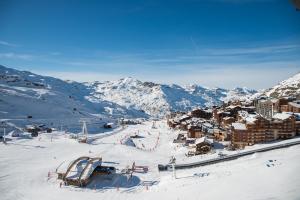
(239, 126)
(203, 139)
(282, 116)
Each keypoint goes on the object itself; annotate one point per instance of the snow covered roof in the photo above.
(208, 125)
(222, 111)
(274, 100)
(184, 116)
(251, 118)
(225, 118)
(249, 107)
(295, 104)
(282, 116)
(233, 106)
(203, 139)
(239, 126)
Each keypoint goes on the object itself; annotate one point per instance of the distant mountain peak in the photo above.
(125, 96)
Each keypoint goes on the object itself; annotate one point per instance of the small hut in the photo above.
(203, 145)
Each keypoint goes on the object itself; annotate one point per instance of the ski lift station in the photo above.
(80, 171)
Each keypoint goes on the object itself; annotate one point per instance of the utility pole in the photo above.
(3, 125)
(51, 135)
(174, 170)
(4, 133)
(84, 130)
(173, 162)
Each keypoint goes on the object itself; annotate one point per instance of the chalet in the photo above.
(227, 121)
(233, 109)
(183, 118)
(258, 129)
(283, 126)
(283, 103)
(219, 115)
(284, 108)
(294, 106)
(208, 128)
(195, 131)
(184, 125)
(175, 119)
(203, 145)
(253, 129)
(249, 109)
(240, 136)
(221, 134)
(199, 113)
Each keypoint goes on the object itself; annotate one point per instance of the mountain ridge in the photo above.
(127, 97)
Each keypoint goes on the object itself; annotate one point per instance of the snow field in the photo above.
(25, 164)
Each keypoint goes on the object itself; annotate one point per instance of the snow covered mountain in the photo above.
(26, 94)
(159, 99)
(288, 87)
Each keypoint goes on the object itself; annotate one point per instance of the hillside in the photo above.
(159, 99)
(288, 87)
(26, 94)
(52, 101)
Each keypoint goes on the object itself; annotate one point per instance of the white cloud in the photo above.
(11, 55)
(4, 43)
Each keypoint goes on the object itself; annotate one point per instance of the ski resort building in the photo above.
(195, 131)
(240, 135)
(283, 126)
(254, 129)
(267, 107)
(200, 113)
(294, 106)
(297, 124)
(80, 171)
(203, 145)
(243, 124)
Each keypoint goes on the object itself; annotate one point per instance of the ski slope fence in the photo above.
(226, 157)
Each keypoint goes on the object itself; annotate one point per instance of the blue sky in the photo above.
(225, 43)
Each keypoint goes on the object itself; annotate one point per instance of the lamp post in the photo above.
(173, 162)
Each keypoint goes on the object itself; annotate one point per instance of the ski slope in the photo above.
(25, 164)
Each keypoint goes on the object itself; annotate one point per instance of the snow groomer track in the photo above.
(226, 157)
